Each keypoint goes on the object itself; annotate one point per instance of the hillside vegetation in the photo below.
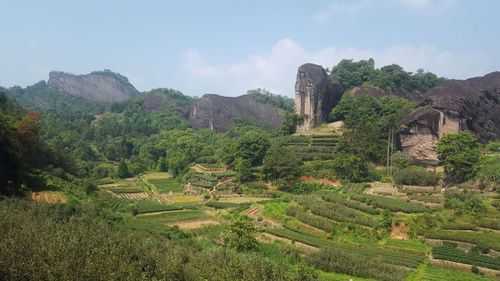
(129, 191)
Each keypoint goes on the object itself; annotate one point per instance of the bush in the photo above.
(351, 168)
(459, 153)
(400, 160)
(464, 202)
(414, 175)
(489, 171)
(306, 187)
(82, 246)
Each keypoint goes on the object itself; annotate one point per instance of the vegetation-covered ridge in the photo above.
(131, 191)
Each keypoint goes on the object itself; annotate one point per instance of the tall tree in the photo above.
(460, 154)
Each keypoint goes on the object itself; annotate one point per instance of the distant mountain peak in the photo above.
(101, 86)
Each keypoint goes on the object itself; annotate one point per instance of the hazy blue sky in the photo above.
(230, 46)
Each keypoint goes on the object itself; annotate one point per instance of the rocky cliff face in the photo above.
(454, 106)
(220, 113)
(101, 86)
(315, 95)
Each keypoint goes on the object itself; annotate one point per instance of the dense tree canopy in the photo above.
(369, 121)
(459, 153)
(391, 77)
(281, 165)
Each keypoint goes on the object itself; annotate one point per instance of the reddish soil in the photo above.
(334, 183)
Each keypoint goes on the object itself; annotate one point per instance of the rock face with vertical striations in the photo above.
(220, 113)
(100, 86)
(453, 106)
(315, 95)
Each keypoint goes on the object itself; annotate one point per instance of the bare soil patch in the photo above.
(399, 231)
(329, 182)
(190, 225)
(242, 199)
(50, 197)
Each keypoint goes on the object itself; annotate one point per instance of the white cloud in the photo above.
(276, 69)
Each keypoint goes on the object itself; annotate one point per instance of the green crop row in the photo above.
(490, 223)
(459, 226)
(400, 257)
(225, 205)
(426, 198)
(392, 204)
(167, 185)
(337, 212)
(457, 255)
(486, 240)
(353, 263)
(311, 219)
(431, 273)
(339, 199)
(126, 190)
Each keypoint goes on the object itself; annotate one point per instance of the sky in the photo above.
(230, 46)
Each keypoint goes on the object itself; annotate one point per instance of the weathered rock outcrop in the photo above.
(455, 105)
(422, 130)
(315, 95)
(101, 86)
(220, 113)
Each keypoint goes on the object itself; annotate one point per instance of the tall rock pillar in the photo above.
(315, 96)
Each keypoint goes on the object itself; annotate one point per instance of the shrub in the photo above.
(459, 153)
(414, 175)
(400, 160)
(306, 187)
(489, 171)
(464, 202)
(351, 168)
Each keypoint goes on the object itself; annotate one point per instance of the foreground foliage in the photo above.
(39, 242)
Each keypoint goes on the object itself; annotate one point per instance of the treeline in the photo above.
(392, 77)
(22, 149)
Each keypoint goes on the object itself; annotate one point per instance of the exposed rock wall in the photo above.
(101, 86)
(422, 130)
(220, 113)
(315, 95)
(454, 106)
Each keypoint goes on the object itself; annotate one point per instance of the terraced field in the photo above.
(164, 182)
(344, 228)
(314, 147)
(432, 273)
(128, 189)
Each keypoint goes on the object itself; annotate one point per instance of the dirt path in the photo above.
(269, 238)
(196, 224)
(159, 213)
